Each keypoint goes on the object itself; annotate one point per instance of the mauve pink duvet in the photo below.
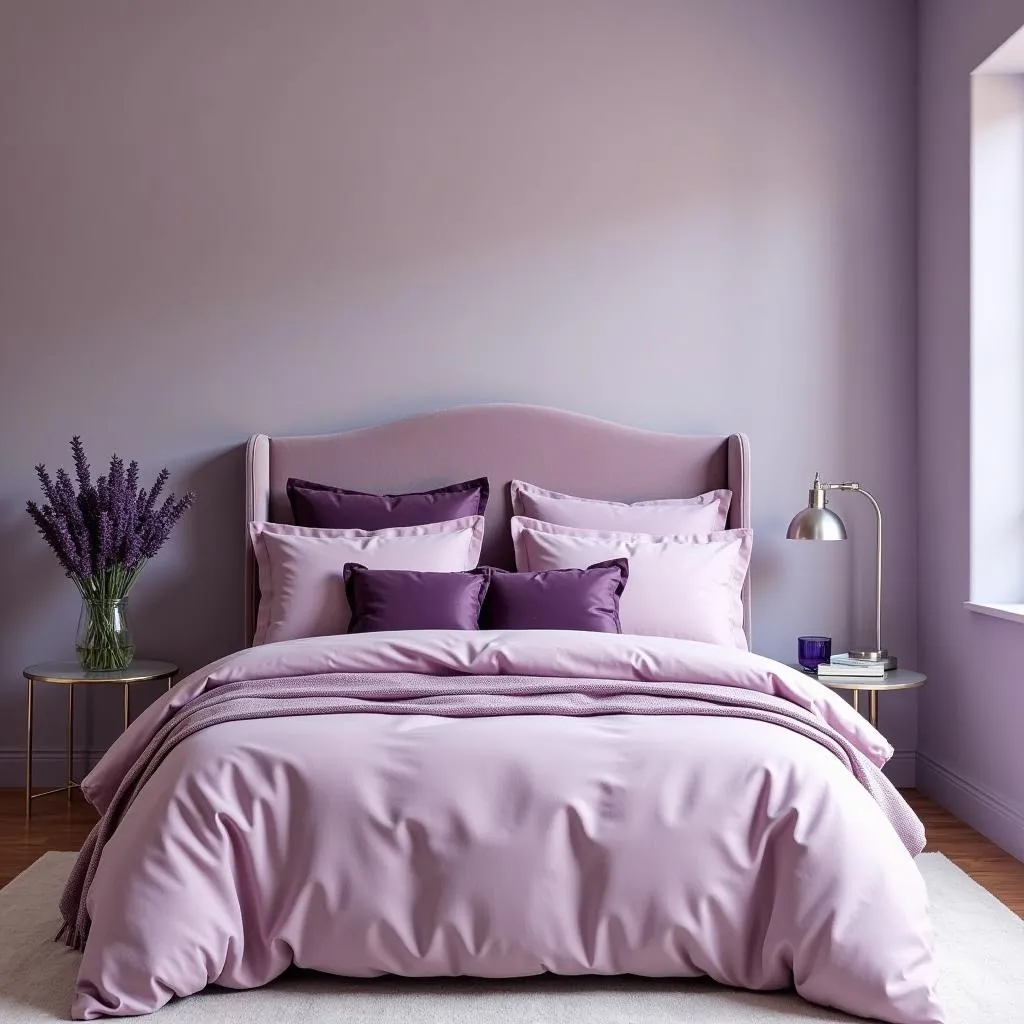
(501, 804)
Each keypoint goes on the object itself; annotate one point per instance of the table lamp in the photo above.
(818, 522)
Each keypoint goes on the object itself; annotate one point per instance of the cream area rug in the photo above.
(981, 950)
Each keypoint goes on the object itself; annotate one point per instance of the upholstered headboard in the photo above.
(562, 451)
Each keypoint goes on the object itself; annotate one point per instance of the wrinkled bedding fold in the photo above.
(392, 803)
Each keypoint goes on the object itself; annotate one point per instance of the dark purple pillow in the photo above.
(557, 598)
(335, 508)
(403, 599)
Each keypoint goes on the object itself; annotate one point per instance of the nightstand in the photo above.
(896, 679)
(71, 674)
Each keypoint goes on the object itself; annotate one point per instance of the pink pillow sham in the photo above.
(687, 586)
(301, 569)
(704, 513)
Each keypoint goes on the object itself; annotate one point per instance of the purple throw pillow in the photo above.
(585, 599)
(336, 508)
(382, 599)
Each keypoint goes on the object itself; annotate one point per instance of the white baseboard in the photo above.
(982, 810)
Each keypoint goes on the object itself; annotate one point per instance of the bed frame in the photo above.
(562, 451)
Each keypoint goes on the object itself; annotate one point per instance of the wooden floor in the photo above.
(55, 825)
(58, 825)
(985, 862)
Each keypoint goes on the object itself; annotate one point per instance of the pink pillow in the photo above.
(301, 569)
(686, 586)
(704, 513)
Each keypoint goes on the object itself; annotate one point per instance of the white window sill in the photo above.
(1011, 612)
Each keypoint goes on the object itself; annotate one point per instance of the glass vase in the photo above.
(104, 641)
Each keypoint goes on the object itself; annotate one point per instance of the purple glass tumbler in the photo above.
(813, 651)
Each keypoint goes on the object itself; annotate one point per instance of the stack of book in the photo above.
(844, 665)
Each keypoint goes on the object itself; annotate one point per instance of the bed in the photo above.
(500, 802)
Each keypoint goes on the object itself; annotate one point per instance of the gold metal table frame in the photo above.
(894, 679)
(71, 674)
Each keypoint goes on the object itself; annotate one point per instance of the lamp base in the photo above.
(888, 660)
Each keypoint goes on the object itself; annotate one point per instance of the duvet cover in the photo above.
(500, 804)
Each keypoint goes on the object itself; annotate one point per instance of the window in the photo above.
(997, 332)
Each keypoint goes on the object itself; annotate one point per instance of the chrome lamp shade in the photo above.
(818, 522)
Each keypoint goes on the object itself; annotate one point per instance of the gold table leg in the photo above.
(127, 690)
(28, 755)
(71, 738)
(873, 708)
(856, 701)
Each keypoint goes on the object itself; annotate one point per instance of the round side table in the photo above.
(71, 674)
(894, 679)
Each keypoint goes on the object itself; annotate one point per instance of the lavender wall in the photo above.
(223, 217)
(973, 708)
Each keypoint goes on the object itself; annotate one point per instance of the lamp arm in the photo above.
(818, 500)
(851, 486)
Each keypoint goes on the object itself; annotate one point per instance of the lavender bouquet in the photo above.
(103, 533)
